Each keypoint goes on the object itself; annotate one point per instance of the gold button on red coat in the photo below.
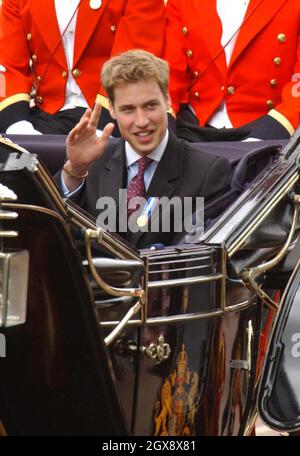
(38, 78)
(185, 31)
(34, 58)
(277, 61)
(270, 104)
(28, 36)
(40, 100)
(76, 73)
(189, 53)
(273, 83)
(230, 90)
(281, 37)
(196, 95)
(113, 28)
(64, 74)
(195, 73)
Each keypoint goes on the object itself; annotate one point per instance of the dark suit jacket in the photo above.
(182, 171)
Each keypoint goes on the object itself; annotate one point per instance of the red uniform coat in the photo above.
(259, 78)
(29, 30)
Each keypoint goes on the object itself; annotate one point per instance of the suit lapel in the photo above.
(259, 13)
(208, 20)
(112, 175)
(45, 20)
(165, 179)
(167, 172)
(87, 21)
(109, 178)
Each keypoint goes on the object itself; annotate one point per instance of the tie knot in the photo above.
(143, 164)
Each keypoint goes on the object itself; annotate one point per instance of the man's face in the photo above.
(141, 112)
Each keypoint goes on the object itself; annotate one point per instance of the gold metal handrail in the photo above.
(133, 292)
(250, 275)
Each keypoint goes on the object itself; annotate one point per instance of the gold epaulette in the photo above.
(282, 120)
(14, 99)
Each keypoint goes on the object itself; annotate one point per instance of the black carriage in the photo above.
(103, 339)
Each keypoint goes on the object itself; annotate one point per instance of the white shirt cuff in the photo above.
(66, 191)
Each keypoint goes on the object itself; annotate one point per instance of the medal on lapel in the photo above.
(143, 219)
(95, 4)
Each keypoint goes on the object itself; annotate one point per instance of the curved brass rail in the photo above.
(250, 275)
(134, 292)
(119, 328)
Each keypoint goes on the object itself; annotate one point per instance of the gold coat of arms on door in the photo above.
(179, 401)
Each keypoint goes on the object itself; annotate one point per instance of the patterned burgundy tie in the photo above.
(136, 186)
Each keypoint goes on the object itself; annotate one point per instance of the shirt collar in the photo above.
(132, 156)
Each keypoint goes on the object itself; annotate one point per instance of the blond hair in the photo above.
(134, 66)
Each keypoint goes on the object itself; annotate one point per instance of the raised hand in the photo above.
(83, 145)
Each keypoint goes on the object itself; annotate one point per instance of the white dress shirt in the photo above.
(132, 158)
(231, 13)
(64, 11)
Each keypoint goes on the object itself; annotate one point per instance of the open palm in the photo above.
(83, 145)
